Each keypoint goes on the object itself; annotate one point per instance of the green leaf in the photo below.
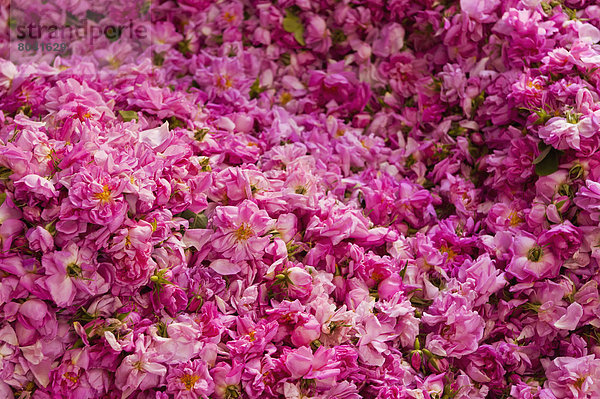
(403, 272)
(549, 164)
(128, 115)
(542, 155)
(175, 122)
(158, 58)
(199, 220)
(184, 47)
(285, 59)
(94, 16)
(569, 11)
(543, 117)
(560, 204)
(477, 102)
(293, 24)
(71, 19)
(255, 89)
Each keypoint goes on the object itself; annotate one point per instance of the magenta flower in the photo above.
(319, 366)
(34, 188)
(572, 133)
(531, 261)
(564, 239)
(139, 370)
(72, 271)
(241, 231)
(459, 332)
(96, 197)
(253, 338)
(132, 273)
(306, 331)
(486, 367)
(317, 35)
(486, 278)
(10, 223)
(40, 239)
(338, 90)
(227, 380)
(390, 41)
(573, 377)
(373, 343)
(588, 199)
(190, 380)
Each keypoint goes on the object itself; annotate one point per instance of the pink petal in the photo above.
(570, 320)
(225, 267)
(61, 289)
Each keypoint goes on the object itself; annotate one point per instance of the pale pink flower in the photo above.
(138, 370)
(531, 261)
(96, 197)
(564, 133)
(573, 377)
(303, 363)
(241, 231)
(190, 380)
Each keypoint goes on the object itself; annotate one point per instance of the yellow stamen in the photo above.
(243, 232)
(446, 249)
(285, 98)
(229, 17)
(579, 382)
(224, 82)
(138, 365)
(114, 63)
(71, 377)
(105, 195)
(515, 219)
(189, 380)
(376, 276)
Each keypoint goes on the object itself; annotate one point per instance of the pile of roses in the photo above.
(306, 199)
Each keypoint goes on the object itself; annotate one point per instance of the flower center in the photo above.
(514, 218)
(243, 232)
(105, 195)
(139, 365)
(565, 189)
(285, 98)
(73, 270)
(232, 392)
(229, 17)
(189, 380)
(224, 82)
(579, 382)
(535, 253)
(572, 118)
(446, 249)
(71, 377)
(376, 276)
(531, 84)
